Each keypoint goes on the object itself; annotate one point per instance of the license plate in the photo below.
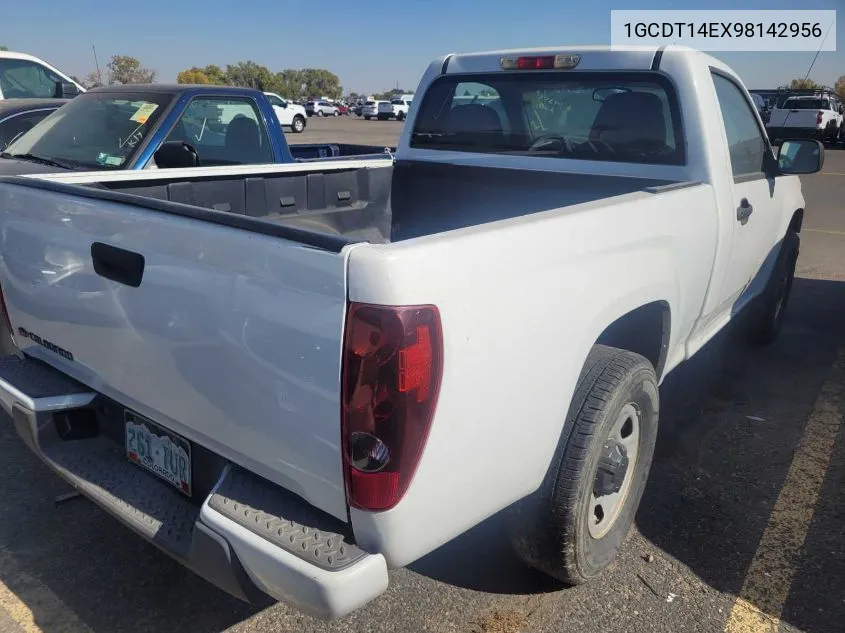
(158, 450)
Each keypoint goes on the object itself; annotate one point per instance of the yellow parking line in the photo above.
(30, 604)
(760, 603)
(825, 231)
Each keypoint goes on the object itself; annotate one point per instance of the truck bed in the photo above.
(355, 201)
(317, 151)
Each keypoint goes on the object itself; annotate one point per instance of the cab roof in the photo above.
(177, 89)
(592, 57)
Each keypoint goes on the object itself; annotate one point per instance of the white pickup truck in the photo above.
(293, 378)
(818, 116)
(397, 108)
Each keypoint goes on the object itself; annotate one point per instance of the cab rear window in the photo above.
(619, 117)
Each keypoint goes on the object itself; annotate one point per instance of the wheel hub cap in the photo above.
(614, 472)
(613, 465)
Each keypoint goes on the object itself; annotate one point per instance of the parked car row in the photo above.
(326, 108)
(397, 108)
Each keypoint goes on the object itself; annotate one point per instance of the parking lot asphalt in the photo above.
(741, 529)
(348, 129)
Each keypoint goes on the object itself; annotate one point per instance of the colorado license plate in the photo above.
(158, 450)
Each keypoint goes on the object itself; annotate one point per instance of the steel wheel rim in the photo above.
(605, 510)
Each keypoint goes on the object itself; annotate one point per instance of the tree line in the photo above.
(290, 83)
(805, 83)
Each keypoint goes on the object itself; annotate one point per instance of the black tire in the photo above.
(767, 311)
(336, 113)
(366, 118)
(551, 529)
(320, 113)
(297, 126)
(400, 116)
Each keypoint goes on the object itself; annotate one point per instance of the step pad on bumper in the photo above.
(285, 520)
(99, 468)
(40, 388)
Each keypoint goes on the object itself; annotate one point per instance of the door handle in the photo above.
(744, 211)
(117, 264)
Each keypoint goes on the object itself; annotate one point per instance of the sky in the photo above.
(370, 45)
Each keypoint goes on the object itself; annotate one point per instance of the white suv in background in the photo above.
(321, 108)
(397, 108)
(289, 114)
(370, 109)
(24, 76)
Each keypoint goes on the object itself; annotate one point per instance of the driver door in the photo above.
(754, 213)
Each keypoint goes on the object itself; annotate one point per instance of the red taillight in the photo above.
(819, 118)
(392, 362)
(535, 63)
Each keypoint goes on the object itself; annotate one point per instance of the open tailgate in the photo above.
(228, 337)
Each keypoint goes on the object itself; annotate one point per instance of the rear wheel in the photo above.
(400, 116)
(574, 525)
(298, 124)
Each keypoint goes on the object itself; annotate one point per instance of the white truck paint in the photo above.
(247, 337)
(24, 76)
(810, 116)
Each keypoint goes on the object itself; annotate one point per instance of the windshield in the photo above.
(806, 104)
(94, 130)
(621, 117)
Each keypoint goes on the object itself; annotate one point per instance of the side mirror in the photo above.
(176, 154)
(800, 156)
(65, 90)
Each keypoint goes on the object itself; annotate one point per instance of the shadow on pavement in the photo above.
(482, 560)
(718, 474)
(731, 419)
(73, 561)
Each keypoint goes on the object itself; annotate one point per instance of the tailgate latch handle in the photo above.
(117, 264)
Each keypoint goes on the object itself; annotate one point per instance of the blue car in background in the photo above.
(163, 126)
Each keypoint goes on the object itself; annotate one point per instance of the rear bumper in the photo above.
(781, 133)
(248, 537)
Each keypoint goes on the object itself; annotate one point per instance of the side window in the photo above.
(224, 131)
(274, 100)
(23, 79)
(746, 143)
(16, 125)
